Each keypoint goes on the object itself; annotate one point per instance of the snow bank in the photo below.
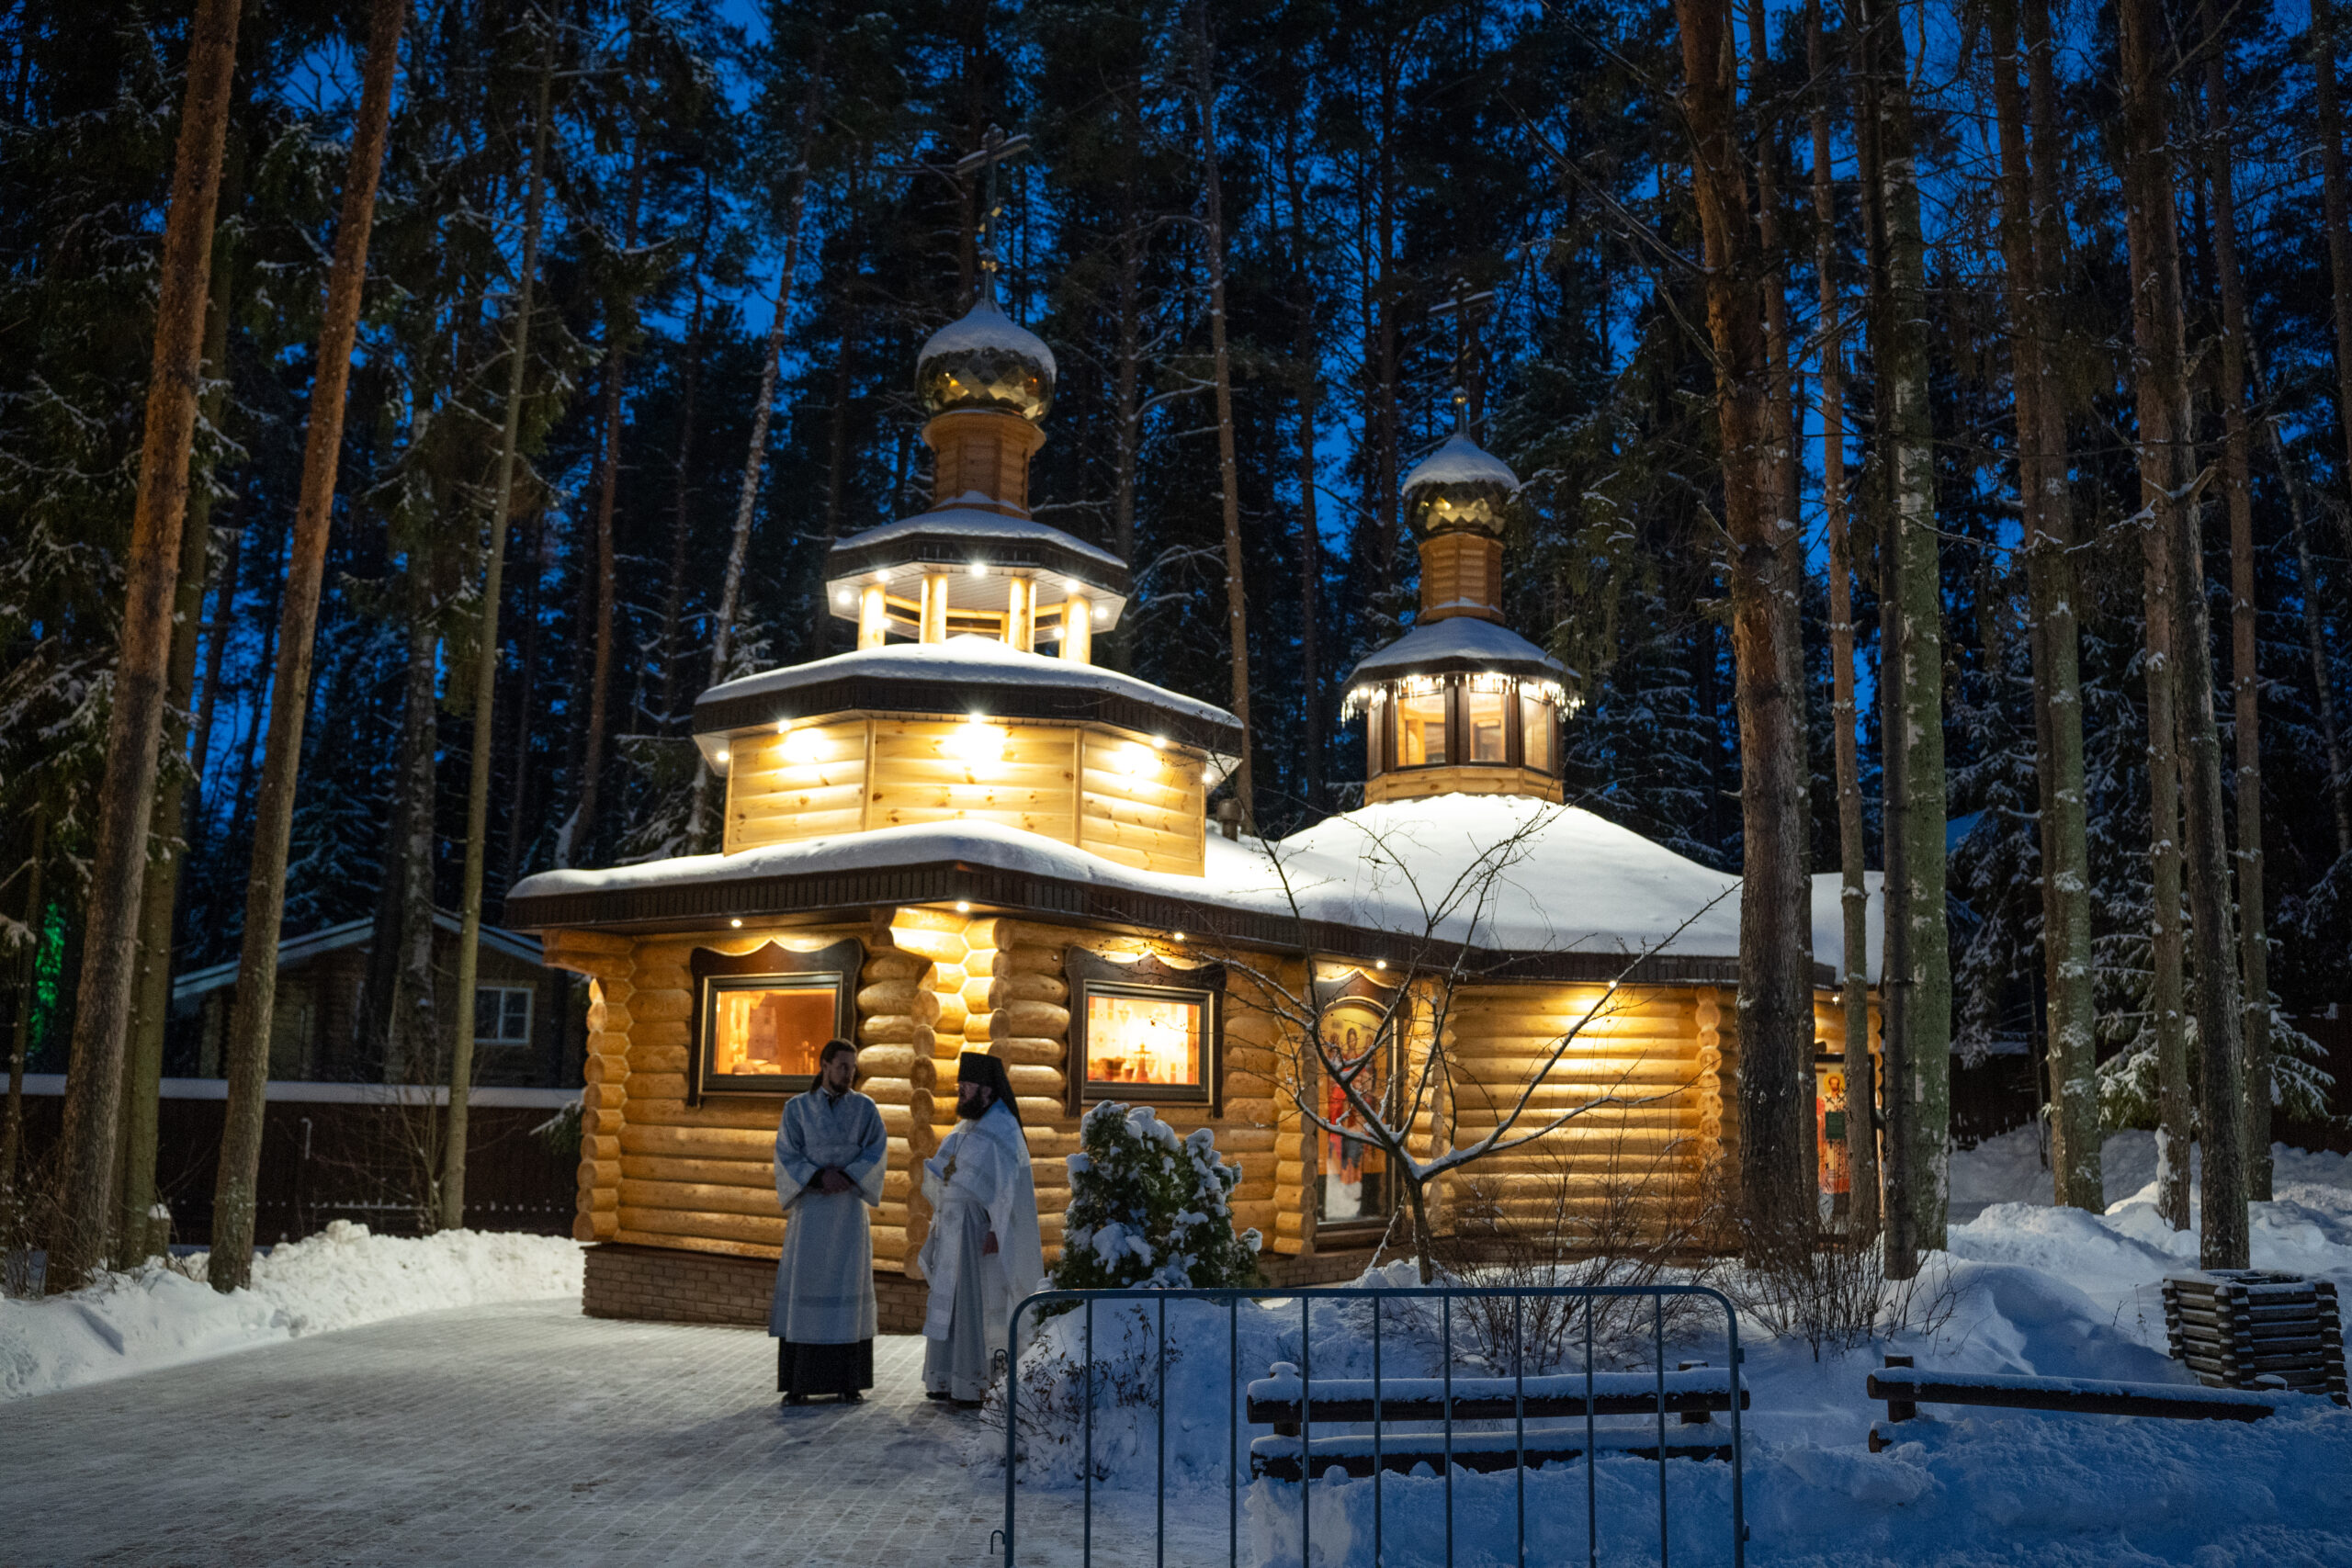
(158, 1317)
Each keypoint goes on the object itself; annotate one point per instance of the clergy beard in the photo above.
(968, 1112)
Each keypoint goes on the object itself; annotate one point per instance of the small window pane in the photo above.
(1420, 731)
(501, 1015)
(1133, 1039)
(1482, 718)
(1539, 726)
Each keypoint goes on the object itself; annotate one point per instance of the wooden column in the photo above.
(1020, 613)
(1078, 629)
(873, 617)
(935, 607)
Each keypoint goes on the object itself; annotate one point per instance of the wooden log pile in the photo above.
(2243, 1327)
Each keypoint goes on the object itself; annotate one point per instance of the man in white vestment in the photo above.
(829, 1155)
(984, 1253)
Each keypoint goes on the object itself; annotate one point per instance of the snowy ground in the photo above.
(526, 1432)
(2025, 1287)
(161, 1316)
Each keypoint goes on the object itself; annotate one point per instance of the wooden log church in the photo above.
(965, 835)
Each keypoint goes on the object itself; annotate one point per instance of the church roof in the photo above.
(1457, 645)
(966, 675)
(1460, 461)
(1503, 875)
(986, 326)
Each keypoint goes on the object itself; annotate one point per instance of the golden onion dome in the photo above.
(1458, 486)
(986, 361)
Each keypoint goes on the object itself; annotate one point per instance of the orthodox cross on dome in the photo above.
(995, 148)
(1469, 382)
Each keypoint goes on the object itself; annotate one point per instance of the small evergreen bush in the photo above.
(1148, 1208)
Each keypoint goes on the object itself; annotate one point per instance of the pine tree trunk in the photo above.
(1777, 1178)
(673, 598)
(1912, 663)
(485, 672)
(1862, 1093)
(250, 1015)
(1237, 603)
(87, 1139)
(12, 1127)
(399, 1044)
(730, 591)
(2237, 482)
(2336, 207)
(2043, 489)
(224, 614)
(2176, 576)
(151, 996)
(2291, 479)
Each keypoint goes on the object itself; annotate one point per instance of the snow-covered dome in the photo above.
(1460, 485)
(986, 360)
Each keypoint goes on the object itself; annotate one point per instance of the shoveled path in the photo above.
(515, 1433)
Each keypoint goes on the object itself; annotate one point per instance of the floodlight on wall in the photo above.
(803, 747)
(975, 742)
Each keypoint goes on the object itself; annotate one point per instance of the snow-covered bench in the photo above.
(1905, 1388)
(1283, 1402)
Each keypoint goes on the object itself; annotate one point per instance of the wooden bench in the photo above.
(1905, 1388)
(1693, 1394)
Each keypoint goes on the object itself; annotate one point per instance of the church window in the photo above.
(1144, 1030)
(761, 1018)
(1420, 729)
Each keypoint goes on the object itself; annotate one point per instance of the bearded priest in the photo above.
(830, 1153)
(983, 1254)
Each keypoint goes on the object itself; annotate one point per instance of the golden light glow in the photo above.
(1135, 762)
(977, 742)
(763, 1033)
(803, 747)
(1142, 1040)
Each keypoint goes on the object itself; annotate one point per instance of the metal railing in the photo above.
(1381, 1298)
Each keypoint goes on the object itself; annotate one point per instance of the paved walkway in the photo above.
(514, 1434)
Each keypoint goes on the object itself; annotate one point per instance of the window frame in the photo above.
(530, 1015)
(771, 967)
(1090, 973)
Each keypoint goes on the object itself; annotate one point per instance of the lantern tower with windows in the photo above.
(1461, 704)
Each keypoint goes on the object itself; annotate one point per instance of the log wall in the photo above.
(1114, 792)
(802, 785)
(1637, 1046)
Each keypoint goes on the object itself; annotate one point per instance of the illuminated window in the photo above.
(1145, 1031)
(1420, 731)
(762, 1017)
(1147, 1039)
(1482, 725)
(765, 1029)
(1539, 732)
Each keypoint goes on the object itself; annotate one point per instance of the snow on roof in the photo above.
(1492, 871)
(1464, 638)
(1461, 461)
(971, 523)
(985, 326)
(964, 660)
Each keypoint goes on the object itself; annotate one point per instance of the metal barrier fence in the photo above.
(1381, 1298)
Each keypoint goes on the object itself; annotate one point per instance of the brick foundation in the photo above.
(1321, 1269)
(662, 1284)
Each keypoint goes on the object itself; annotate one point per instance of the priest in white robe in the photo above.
(984, 1254)
(829, 1156)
